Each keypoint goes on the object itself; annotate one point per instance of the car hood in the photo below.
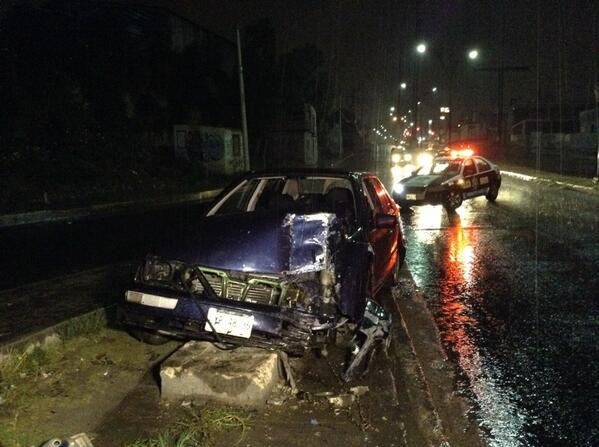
(426, 180)
(255, 242)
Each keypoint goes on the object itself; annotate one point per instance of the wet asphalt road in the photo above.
(514, 289)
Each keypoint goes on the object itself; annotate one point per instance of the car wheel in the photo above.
(493, 192)
(150, 338)
(453, 200)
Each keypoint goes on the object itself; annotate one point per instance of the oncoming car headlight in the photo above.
(407, 157)
(398, 188)
(424, 159)
(395, 158)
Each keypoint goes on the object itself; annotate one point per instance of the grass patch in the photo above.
(59, 389)
(196, 428)
(90, 323)
(16, 366)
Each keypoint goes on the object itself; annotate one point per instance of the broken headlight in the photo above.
(156, 269)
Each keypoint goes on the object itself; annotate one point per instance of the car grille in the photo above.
(262, 290)
(242, 287)
(235, 290)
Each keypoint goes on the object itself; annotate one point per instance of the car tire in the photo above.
(453, 200)
(150, 338)
(491, 196)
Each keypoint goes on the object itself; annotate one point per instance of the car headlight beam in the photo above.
(424, 159)
(398, 188)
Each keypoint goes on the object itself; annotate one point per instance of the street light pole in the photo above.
(420, 49)
(244, 122)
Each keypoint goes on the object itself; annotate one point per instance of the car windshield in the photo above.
(442, 166)
(288, 194)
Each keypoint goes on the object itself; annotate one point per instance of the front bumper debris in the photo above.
(183, 316)
(374, 329)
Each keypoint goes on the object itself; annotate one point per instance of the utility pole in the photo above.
(340, 129)
(596, 91)
(244, 123)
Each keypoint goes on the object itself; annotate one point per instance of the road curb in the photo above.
(53, 335)
(528, 178)
(105, 209)
(450, 410)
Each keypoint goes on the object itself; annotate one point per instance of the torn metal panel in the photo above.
(309, 248)
(374, 329)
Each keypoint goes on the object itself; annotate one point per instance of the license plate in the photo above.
(411, 196)
(229, 323)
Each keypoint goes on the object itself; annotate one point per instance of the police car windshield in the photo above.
(442, 166)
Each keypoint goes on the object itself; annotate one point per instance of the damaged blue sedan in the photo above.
(280, 260)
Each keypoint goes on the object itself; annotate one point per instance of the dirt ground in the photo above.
(107, 385)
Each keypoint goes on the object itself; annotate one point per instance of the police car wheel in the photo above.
(453, 200)
(493, 192)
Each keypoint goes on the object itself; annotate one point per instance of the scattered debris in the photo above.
(284, 358)
(78, 440)
(359, 390)
(375, 328)
(342, 401)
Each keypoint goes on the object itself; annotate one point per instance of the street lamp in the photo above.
(392, 109)
(473, 55)
(421, 48)
(403, 85)
(434, 89)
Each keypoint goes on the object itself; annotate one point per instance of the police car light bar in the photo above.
(462, 153)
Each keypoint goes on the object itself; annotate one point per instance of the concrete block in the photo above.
(241, 377)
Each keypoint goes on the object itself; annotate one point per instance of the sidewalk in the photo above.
(566, 181)
(103, 210)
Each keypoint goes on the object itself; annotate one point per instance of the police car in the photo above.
(448, 180)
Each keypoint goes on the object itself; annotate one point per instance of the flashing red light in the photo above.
(462, 153)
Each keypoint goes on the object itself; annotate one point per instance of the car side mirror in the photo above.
(385, 220)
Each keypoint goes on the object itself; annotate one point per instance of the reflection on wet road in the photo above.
(513, 288)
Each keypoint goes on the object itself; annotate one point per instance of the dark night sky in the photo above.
(371, 43)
